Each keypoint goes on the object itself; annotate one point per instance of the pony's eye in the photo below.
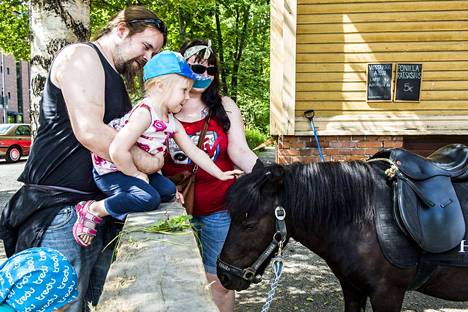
(249, 226)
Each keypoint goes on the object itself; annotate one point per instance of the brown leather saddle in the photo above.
(426, 206)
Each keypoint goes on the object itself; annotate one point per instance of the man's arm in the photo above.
(78, 72)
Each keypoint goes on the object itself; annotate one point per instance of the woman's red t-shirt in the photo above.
(209, 191)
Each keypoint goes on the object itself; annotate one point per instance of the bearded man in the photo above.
(83, 92)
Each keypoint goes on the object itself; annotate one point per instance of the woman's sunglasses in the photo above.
(200, 69)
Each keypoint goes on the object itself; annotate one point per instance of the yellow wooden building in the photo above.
(320, 51)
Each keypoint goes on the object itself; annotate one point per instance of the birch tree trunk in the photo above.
(53, 25)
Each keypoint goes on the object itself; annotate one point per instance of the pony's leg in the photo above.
(387, 299)
(355, 301)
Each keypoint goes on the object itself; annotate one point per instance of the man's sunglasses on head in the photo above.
(156, 22)
(200, 69)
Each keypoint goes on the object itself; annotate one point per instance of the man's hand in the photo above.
(142, 176)
(146, 162)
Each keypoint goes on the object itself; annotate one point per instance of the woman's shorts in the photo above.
(211, 230)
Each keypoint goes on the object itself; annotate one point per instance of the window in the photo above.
(9, 95)
(4, 128)
(23, 130)
(19, 87)
(8, 70)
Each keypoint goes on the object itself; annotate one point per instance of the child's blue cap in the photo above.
(168, 62)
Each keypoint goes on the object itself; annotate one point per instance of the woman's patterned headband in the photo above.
(195, 49)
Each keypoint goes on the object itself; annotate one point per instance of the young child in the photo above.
(168, 80)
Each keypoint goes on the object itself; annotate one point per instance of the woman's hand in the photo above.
(231, 174)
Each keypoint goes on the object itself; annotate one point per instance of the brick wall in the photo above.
(334, 148)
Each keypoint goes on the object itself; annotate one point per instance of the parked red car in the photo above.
(15, 141)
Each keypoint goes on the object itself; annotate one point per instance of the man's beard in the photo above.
(130, 69)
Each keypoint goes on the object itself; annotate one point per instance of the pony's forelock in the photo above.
(245, 194)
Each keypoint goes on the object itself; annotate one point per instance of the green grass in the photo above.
(170, 225)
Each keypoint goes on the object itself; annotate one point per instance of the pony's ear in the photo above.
(275, 176)
(258, 165)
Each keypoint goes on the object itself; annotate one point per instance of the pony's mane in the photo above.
(328, 193)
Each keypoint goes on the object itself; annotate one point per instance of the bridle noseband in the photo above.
(250, 274)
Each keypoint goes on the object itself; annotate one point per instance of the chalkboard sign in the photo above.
(408, 82)
(379, 82)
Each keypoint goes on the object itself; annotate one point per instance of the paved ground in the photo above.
(8, 186)
(306, 285)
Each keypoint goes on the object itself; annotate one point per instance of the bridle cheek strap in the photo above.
(249, 274)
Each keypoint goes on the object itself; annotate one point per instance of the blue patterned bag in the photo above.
(37, 280)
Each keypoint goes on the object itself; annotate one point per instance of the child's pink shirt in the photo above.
(153, 140)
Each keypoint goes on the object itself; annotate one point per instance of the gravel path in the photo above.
(307, 284)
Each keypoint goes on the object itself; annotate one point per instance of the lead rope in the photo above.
(277, 270)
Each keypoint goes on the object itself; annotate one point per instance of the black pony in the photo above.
(330, 209)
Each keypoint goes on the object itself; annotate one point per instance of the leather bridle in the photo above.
(250, 273)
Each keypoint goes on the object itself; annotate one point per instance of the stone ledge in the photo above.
(156, 272)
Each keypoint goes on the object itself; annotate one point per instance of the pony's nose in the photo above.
(224, 279)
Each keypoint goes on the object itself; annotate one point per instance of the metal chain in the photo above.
(277, 270)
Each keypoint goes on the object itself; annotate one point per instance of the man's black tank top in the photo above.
(57, 158)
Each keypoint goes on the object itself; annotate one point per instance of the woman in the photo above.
(225, 143)
(38, 279)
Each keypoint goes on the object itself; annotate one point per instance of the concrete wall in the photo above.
(156, 272)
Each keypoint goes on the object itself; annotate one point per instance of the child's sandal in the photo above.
(84, 217)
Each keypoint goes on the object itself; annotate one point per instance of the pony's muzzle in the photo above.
(224, 279)
(230, 281)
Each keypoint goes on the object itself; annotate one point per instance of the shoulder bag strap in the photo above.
(200, 139)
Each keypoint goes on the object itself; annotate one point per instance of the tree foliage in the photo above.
(14, 28)
(238, 29)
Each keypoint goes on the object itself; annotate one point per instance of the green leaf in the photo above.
(185, 19)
